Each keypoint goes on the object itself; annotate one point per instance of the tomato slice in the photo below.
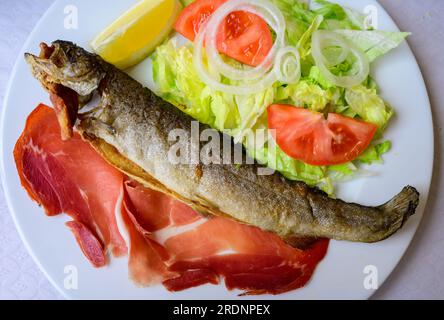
(242, 36)
(194, 15)
(245, 37)
(306, 135)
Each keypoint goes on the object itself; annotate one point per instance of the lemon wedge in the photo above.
(134, 35)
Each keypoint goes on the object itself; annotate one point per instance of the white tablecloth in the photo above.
(419, 275)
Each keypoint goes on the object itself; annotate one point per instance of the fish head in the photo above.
(70, 75)
(66, 64)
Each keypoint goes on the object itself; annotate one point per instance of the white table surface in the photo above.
(419, 274)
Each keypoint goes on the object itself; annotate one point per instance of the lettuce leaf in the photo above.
(178, 82)
(304, 44)
(337, 17)
(316, 77)
(305, 94)
(374, 43)
(374, 153)
(369, 106)
(297, 17)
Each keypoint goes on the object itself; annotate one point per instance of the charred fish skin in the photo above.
(130, 128)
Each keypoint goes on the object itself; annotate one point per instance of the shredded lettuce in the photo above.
(305, 94)
(374, 43)
(374, 153)
(298, 18)
(369, 106)
(304, 42)
(178, 83)
(316, 77)
(337, 17)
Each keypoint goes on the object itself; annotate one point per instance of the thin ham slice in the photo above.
(203, 250)
(146, 261)
(166, 240)
(90, 245)
(70, 177)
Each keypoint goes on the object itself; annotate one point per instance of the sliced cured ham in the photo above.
(146, 260)
(90, 245)
(166, 240)
(203, 250)
(70, 177)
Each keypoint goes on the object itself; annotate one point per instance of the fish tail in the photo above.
(403, 205)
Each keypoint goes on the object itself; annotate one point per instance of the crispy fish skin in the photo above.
(130, 128)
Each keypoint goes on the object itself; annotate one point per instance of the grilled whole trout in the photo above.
(130, 126)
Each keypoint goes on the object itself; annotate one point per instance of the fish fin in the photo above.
(403, 205)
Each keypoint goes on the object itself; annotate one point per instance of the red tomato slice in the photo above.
(242, 36)
(194, 15)
(245, 37)
(308, 136)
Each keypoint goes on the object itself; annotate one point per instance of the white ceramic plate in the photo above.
(340, 275)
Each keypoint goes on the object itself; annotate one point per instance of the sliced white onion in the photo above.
(216, 84)
(342, 45)
(272, 16)
(261, 76)
(286, 58)
(322, 39)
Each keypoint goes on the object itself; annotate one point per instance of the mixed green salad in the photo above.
(178, 82)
